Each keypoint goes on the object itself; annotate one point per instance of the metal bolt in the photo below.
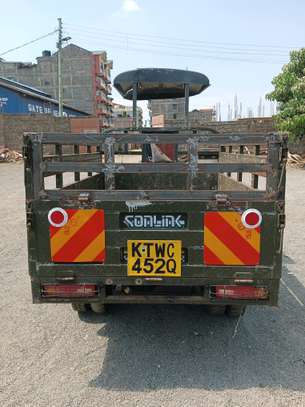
(126, 290)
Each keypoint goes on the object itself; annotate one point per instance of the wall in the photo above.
(157, 121)
(2, 139)
(122, 122)
(77, 77)
(18, 71)
(252, 125)
(172, 109)
(85, 125)
(12, 127)
(123, 116)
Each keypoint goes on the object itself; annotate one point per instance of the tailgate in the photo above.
(188, 223)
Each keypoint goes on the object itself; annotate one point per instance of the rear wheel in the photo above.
(235, 311)
(80, 307)
(216, 309)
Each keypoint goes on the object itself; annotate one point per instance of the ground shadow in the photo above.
(156, 347)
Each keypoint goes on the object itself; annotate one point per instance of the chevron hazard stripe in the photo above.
(228, 242)
(81, 239)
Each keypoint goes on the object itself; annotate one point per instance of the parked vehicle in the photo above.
(128, 230)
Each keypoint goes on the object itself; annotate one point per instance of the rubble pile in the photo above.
(295, 160)
(7, 155)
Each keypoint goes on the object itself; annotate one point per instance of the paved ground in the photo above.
(152, 355)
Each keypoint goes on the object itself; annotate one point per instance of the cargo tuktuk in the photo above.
(146, 215)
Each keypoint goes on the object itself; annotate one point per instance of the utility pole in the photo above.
(59, 73)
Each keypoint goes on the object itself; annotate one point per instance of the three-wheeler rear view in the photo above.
(156, 215)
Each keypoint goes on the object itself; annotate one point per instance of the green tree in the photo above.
(289, 92)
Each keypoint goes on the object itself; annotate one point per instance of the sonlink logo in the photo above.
(155, 221)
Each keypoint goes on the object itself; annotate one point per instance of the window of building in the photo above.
(174, 116)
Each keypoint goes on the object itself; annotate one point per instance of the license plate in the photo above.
(160, 258)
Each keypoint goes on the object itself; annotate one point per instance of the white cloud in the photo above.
(130, 6)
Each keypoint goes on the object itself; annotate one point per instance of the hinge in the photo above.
(84, 198)
(281, 220)
(284, 153)
(281, 214)
(29, 215)
(222, 200)
(25, 152)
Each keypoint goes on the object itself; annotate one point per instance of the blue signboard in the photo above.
(15, 102)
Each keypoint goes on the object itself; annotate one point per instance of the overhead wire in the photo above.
(201, 56)
(176, 46)
(150, 48)
(181, 47)
(28, 43)
(92, 29)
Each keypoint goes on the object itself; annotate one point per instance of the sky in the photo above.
(239, 44)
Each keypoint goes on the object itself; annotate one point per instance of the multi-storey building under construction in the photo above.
(85, 79)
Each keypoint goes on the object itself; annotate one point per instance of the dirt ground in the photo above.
(148, 355)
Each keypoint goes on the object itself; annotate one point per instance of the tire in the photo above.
(79, 307)
(216, 309)
(235, 311)
(98, 307)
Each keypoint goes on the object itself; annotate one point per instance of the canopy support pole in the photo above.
(134, 105)
(187, 101)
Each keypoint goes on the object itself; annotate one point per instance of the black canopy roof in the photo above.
(160, 83)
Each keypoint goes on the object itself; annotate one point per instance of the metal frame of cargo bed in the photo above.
(41, 167)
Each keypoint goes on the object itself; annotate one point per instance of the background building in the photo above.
(85, 78)
(122, 116)
(170, 109)
(201, 116)
(20, 99)
(197, 117)
(171, 113)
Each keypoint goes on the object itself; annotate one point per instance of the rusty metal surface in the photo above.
(145, 137)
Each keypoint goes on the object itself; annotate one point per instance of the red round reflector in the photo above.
(57, 217)
(251, 218)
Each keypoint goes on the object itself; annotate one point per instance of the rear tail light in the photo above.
(239, 292)
(68, 290)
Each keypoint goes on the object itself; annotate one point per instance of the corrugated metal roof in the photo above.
(24, 86)
(33, 92)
